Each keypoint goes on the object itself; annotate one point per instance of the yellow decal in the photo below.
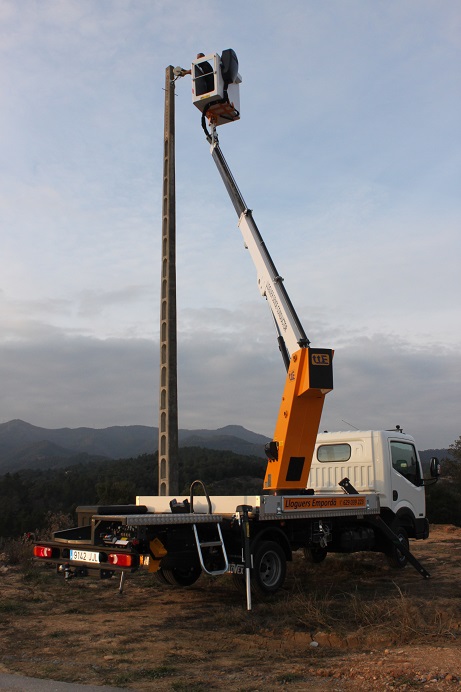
(313, 502)
(320, 359)
(157, 548)
(157, 551)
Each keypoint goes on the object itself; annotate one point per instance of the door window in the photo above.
(405, 461)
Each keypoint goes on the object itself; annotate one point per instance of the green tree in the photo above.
(452, 467)
(116, 492)
(28, 496)
(444, 498)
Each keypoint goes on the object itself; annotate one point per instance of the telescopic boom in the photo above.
(309, 370)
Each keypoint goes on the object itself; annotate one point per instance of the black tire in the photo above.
(160, 576)
(315, 555)
(180, 576)
(269, 568)
(396, 558)
(239, 582)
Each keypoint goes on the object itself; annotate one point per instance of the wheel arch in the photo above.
(274, 533)
(404, 517)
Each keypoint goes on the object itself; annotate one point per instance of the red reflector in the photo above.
(42, 551)
(119, 559)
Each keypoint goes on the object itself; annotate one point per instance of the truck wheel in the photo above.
(269, 568)
(394, 557)
(181, 576)
(160, 576)
(315, 555)
(239, 582)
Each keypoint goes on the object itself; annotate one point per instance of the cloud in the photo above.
(54, 379)
(347, 150)
(93, 302)
(381, 382)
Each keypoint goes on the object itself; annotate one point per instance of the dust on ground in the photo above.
(349, 623)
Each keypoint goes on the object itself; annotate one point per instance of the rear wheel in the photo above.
(179, 576)
(239, 581)
(269, 568)
(315, 555)
(395, 557)
(160, 576)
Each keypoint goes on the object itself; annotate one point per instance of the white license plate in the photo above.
(84, 556)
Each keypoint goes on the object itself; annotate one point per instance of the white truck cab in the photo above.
(384, 462)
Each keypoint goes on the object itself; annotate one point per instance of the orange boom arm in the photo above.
(309, 379)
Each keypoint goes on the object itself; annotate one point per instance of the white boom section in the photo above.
(270, 283)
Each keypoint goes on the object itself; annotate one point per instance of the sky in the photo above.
(348, 151)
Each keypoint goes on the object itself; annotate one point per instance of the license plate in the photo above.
(84, 556)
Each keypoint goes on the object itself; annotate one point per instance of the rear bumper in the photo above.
(63, 556)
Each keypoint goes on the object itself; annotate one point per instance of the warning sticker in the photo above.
(314, 502)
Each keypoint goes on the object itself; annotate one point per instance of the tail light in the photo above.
(43, 551)
(120, 559)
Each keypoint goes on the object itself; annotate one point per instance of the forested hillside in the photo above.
(28, 496)
(444, 497)
(26, 446)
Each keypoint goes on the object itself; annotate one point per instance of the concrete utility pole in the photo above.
(168, 404)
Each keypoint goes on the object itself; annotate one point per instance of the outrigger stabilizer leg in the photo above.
(384, 528)
(348, 488)
(245, 527)
(121, 583)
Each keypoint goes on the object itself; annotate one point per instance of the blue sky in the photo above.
(348, 152)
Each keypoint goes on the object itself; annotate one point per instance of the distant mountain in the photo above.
(26, 446)
(34, 454)
(20, 440)
(233, 438)
(228, 431)
(46, 455)
(23, 445)
(427, 454)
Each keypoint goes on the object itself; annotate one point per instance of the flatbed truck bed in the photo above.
(253, 542)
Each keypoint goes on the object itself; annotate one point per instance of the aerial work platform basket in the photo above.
(215, 86)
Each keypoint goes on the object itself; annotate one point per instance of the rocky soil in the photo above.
(349, 623)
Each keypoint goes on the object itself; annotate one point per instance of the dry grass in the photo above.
(16, 552)
(360, 595)
(158, 638)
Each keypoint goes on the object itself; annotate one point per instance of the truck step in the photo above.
(210, 544)
(219, 543)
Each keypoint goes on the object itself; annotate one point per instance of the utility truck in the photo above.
(328, 492)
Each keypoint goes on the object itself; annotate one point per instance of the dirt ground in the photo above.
(349, 623)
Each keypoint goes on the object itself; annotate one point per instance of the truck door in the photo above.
(406, 478)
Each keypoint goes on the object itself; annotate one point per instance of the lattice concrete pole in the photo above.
(168, 404)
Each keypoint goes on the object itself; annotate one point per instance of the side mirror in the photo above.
(434, 468)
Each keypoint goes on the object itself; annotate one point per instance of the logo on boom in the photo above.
(320, 359)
